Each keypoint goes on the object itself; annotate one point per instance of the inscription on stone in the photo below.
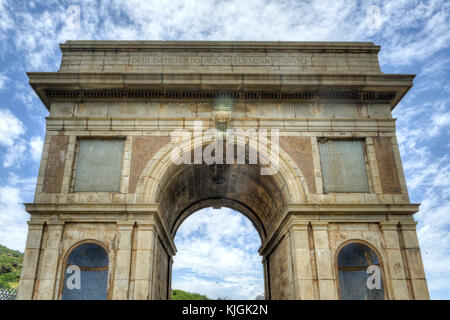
(223, 60)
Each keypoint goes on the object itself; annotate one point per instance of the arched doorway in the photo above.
(360, 273)
(218, 256)
(86, 273)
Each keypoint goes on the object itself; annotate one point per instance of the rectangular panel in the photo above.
(56, 160)
(387, 168)
(99, 165)
(343, 166)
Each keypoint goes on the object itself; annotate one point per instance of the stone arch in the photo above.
(161, 172)
(352, 259)
(92, 261)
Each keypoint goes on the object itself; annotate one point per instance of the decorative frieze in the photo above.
(198, 95)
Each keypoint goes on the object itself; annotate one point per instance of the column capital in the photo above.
(319, 225)
(299, 226)
(55, 225)
(35, 225)
(388, 225)
(408, 225)
(125, 225)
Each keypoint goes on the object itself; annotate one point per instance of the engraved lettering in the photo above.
(221, 60)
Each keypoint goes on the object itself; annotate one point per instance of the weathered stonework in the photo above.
(390, 182)
(141, 92)
(300, 149)
(143, 150)
(54, 171)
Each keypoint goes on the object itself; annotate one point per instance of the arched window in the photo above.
(359, 272)
(86, 273)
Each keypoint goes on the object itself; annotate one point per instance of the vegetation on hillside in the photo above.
(183, 295)
(10, 267)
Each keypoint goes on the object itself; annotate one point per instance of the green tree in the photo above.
(184, 295)
(10, 267)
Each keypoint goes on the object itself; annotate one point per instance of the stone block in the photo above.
(391, 239)
(324, 264)
(141, 289)
(420, 289)
(410, 238)
(395, 262)
(30, 263)
(120, 289)
(328, 290)
(306, 289)
(143, 259)
(26, 288)
(122, 263)
(61, 109)
(45, 289)
(303, 264)
(145, 239)
(400, 289)
(414, 258)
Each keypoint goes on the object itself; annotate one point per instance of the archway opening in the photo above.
(218, 256)
(183, 188)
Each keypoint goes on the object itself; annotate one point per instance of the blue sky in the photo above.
(414, 36)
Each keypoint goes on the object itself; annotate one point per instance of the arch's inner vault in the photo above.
(241, 187)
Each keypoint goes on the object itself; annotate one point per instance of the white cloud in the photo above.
(3, 80)
(11, 128)
(6, 21)
(36, 145)
(13, 218)
(11, 132)
(15, 154)
(428, 179)
(415, 30)
(37, 33)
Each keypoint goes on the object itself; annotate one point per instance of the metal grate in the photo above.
(99, 165)
(343, 166)
(7, 294)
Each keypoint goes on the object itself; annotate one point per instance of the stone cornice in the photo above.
(229, 46)
(49, 208)
(53, 86)
(302, 214)
(143, 214)
(299, 209)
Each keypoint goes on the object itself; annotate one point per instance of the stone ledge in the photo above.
(196, 46)
(37, 208)
(303, 214)
(299, 209)
(252, 86)
(101, 213)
